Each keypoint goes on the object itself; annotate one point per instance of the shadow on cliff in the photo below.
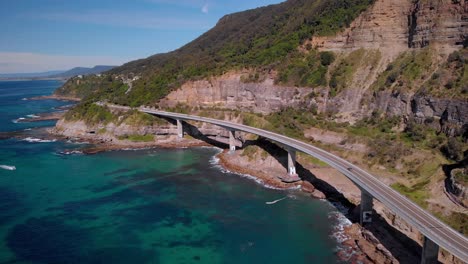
(403, 248)
(194, 132)
(452, 191)
(400, 246)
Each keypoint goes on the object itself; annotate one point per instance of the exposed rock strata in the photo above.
(442, 22)
(447, 115)
(397, 25)
(229, 92)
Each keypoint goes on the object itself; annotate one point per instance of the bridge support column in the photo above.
(366, 207)
(430, 251)
(180, 128)
(232, 140)
(291, 162)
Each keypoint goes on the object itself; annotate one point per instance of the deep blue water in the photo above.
(142, 206)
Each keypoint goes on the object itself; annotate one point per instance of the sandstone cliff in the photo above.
(381, 66)
(229, 92)
(401, 24)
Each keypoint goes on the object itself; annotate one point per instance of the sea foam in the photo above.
(214, 161)
(38, 140)
(8, 167)
(17, 120)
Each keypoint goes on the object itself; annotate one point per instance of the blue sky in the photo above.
(61, 34)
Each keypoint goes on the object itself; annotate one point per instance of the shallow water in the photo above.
(145, 206)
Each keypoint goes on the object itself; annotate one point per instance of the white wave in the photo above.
(7, 167)
(17, 120)
(214, 161)
(135, 149)
(71, 152)
(38, 140)
(33, 116)
(27, 129)
(275, 201)
(340, 236)
(24, 99)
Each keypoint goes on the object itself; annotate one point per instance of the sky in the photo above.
(48, 35)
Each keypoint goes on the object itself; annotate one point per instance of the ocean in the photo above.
(58, 205)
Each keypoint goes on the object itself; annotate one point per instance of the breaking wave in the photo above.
(71, 152)
(17, 120)
(214, 161)
(38, 140)
(8, 167)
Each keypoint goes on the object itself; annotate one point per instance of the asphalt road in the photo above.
(426, 223)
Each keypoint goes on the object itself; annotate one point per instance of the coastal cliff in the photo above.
(386, 90)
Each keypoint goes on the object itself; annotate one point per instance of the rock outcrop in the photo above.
(401, 24)
(229, 92)
(447, 115)
(441, 22)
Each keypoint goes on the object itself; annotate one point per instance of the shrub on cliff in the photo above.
(262, 37)
(453, 149)
(90, 113)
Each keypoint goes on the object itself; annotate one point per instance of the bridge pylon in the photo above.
(430, 251)
(291, 161)
(366, 207)
(232, 140)
(180, 128)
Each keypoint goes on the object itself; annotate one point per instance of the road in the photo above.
(426, 223)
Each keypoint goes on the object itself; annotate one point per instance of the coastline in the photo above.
(354, 243)
(55, 97)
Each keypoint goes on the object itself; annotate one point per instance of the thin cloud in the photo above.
(125, 19)
(202, 4)
(20, 62)
(205, 8)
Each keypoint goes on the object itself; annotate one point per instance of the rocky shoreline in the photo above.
(55, 97)
(357, 245)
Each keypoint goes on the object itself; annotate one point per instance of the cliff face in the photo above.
(447, 115)
(443, 22)
(400, 24)
(229, 92)
(384, 25)
(390, 34)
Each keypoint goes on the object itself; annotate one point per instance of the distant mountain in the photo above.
(58, 74)
(82, 71)
(30, 75)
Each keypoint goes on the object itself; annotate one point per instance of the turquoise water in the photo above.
(144, 206)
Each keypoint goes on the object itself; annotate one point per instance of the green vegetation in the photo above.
(137, 138)
(90, 113)
(311, 160)
(459, 221)
(451, 79)
(461, 176)
(416, 192)
(290, 122)
(249, 152)
(343, 73)
(136, 118)
(105, 87)
(305, 70)
(408, 71)
(454, 149)
(258, 38)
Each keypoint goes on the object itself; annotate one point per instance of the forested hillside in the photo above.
(262, 37)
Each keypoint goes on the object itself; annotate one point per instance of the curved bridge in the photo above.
(435, 232)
